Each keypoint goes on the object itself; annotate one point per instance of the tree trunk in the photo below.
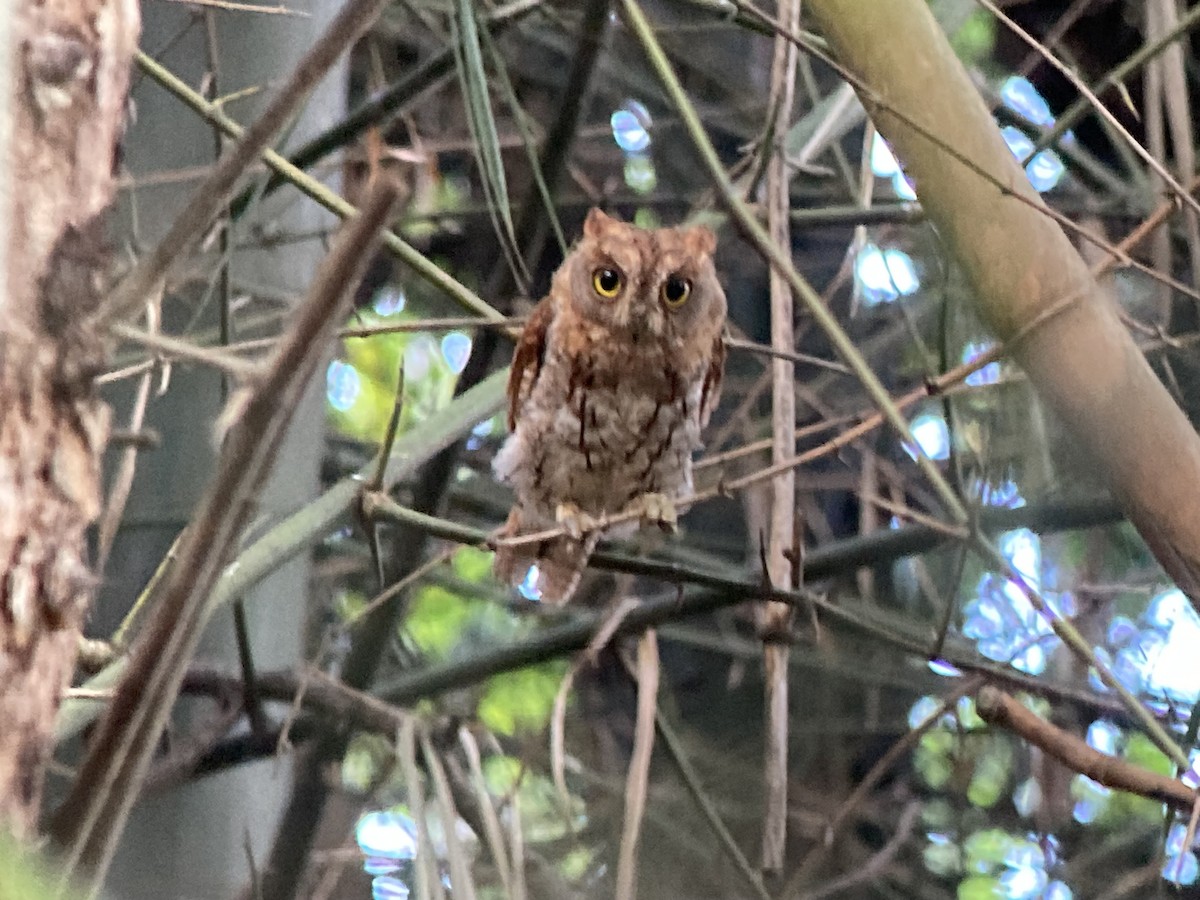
(68, 73)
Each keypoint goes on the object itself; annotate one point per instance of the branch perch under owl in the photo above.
(617, 371)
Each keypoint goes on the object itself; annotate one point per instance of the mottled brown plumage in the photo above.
(618, 369)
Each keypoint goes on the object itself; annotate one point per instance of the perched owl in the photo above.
(618, 369)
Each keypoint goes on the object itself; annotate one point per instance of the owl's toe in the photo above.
(575, 521)
(658, 509)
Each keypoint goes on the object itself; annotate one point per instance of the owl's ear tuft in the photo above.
(700, 240)
(597, 222)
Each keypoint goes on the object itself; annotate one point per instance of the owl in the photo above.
(618, 369)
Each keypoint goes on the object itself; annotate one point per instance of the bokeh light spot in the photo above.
(930, 432)
(528, 588)
(342, 385)
(885, 275)
(1021, 96)
(456, 350)
(389, 301)
(630, 127)
(1044, 170)
(640, 174)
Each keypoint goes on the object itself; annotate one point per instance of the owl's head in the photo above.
(645, 283)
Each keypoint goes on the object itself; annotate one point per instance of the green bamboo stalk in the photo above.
(1048, 309)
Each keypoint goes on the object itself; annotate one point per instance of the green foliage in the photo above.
(991, 775)
(522, 699)
(973, 42)
(932, 758)
(436, 620)
(963, 757)
(542, 815)
(472, 564)
(428, 384)
(1141, 752)
(442, 623)
(23, 876)
(979, 887)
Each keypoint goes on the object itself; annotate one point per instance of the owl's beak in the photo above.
(640, 323)
(624, 306)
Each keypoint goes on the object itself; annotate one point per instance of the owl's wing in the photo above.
(710, 391)
(528, 358)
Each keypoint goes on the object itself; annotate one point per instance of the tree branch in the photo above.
(998, 708)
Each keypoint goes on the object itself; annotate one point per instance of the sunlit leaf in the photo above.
(520, 700)
(436, 618)
(980, 887)
(472, 564)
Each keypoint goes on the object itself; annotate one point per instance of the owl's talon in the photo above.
(658, 509)
(575, 521)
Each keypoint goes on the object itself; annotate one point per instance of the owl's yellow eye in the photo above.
(607, 282)
(675, 290)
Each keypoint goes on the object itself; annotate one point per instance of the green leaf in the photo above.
(987, 849)
(472, 564)
(485, 137)
(520, 700)
(980, 887)
(973, 42)
(436, 619)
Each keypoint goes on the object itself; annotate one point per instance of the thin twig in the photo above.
(175, 348)
(148, 276)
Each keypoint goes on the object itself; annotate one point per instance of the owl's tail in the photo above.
(560, 561)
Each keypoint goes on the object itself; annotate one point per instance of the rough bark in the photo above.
(1032, 287)
(69, 70)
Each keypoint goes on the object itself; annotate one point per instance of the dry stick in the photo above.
(517, 839)
(91, 820)
(1188, 839)
(775, 618)
(1156, 143)
(165, 345)
(376, 481)
(998, 708)
(493, 833)
(428, 882)
(460, 869)
(781, 353)
(638, 780)
(150, 273)
(122, 482)
(613, 618)
(1179, 115)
